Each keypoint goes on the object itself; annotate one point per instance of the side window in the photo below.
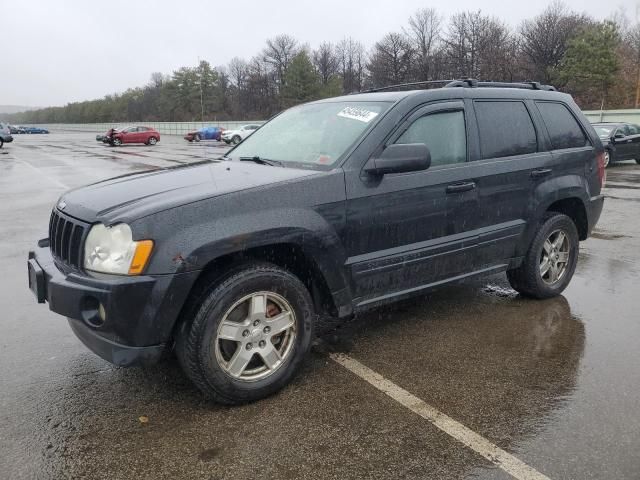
(505, 129)
(635, 129)
(443, 133)
(142, 129)
(563, 128)
(631, 129)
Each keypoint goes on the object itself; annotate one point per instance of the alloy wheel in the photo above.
(256, 336)
(554, 258)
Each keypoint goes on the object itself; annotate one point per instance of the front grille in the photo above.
(66, 236)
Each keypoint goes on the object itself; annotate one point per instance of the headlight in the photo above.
(112, 250)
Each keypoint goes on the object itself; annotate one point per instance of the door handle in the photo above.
(460, 187)
(542, 172)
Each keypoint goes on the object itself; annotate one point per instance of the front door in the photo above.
(407, 231)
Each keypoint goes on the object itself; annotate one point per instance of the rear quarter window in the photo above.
(564, 130)
(505, 128)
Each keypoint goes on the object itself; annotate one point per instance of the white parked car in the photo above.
(236, 136)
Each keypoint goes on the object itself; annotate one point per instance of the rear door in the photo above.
(511, 161)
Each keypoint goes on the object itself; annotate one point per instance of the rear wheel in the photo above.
(607, 158)
(196, 137)
(551, 259)
(247, 335)
(152, 140)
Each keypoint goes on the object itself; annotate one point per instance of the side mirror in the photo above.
(400, 158)
(619, 135)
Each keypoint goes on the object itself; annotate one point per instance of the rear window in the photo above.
(505, 129)
(563, 128)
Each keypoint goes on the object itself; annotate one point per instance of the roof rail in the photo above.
(404, 85)
(473, 83)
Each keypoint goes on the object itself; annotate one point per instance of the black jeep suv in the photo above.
(331, 207)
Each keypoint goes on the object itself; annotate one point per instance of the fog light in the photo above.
(93, 313)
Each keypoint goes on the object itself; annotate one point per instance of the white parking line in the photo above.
(507, 462)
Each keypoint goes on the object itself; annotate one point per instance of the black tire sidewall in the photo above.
(554, 222)
(211, 313)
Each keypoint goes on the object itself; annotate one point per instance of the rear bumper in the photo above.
(595, 210)
(125, 320)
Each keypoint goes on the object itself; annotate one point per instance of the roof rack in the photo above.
(405, 85)
(466, 83)
(473, 83)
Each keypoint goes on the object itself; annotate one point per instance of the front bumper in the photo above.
(139, 312)
(7, 138)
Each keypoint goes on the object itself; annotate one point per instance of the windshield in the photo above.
(603, 131)
(312, 134)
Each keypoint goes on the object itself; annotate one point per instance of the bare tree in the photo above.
(278, 53)
(545, 39)
(424, 31)
(352, 58)
(391, 60)
(326, 62)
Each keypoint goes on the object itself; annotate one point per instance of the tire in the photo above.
(236, 139)
(527, 279)
(607, 158)
(208, 360)
(1, 142)
(227, 142)
(196, 137)
(638, 161)
(116, 142)
(152, 141)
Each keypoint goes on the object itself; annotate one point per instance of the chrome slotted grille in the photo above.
(66, 236)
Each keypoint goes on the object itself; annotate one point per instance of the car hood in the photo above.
(130, 197)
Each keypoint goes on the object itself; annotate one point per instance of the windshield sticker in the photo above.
(359, 114)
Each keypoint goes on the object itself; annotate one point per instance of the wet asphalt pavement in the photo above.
(556, 383)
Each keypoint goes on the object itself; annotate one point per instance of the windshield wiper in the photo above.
(261, 161)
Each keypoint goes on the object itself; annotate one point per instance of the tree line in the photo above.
(598, 62)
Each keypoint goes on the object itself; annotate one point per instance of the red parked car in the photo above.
(145, 135)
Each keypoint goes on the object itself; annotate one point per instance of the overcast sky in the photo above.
(57, 52)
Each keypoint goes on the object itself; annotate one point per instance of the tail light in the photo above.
(602, 172)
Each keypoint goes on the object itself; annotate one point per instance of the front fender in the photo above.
(194, 246)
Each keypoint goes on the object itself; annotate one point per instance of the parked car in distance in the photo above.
(205, 133)
(330, 208)
(133, 134)
(621, 141)
(35, 130)
(5, 134)
(236, 136)
(17, 129)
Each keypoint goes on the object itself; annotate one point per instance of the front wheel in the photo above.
(1, 142)
(153, 140)
(248, 334)
(551, 259)
(196, 137)
(236, 139)
(607, 158)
